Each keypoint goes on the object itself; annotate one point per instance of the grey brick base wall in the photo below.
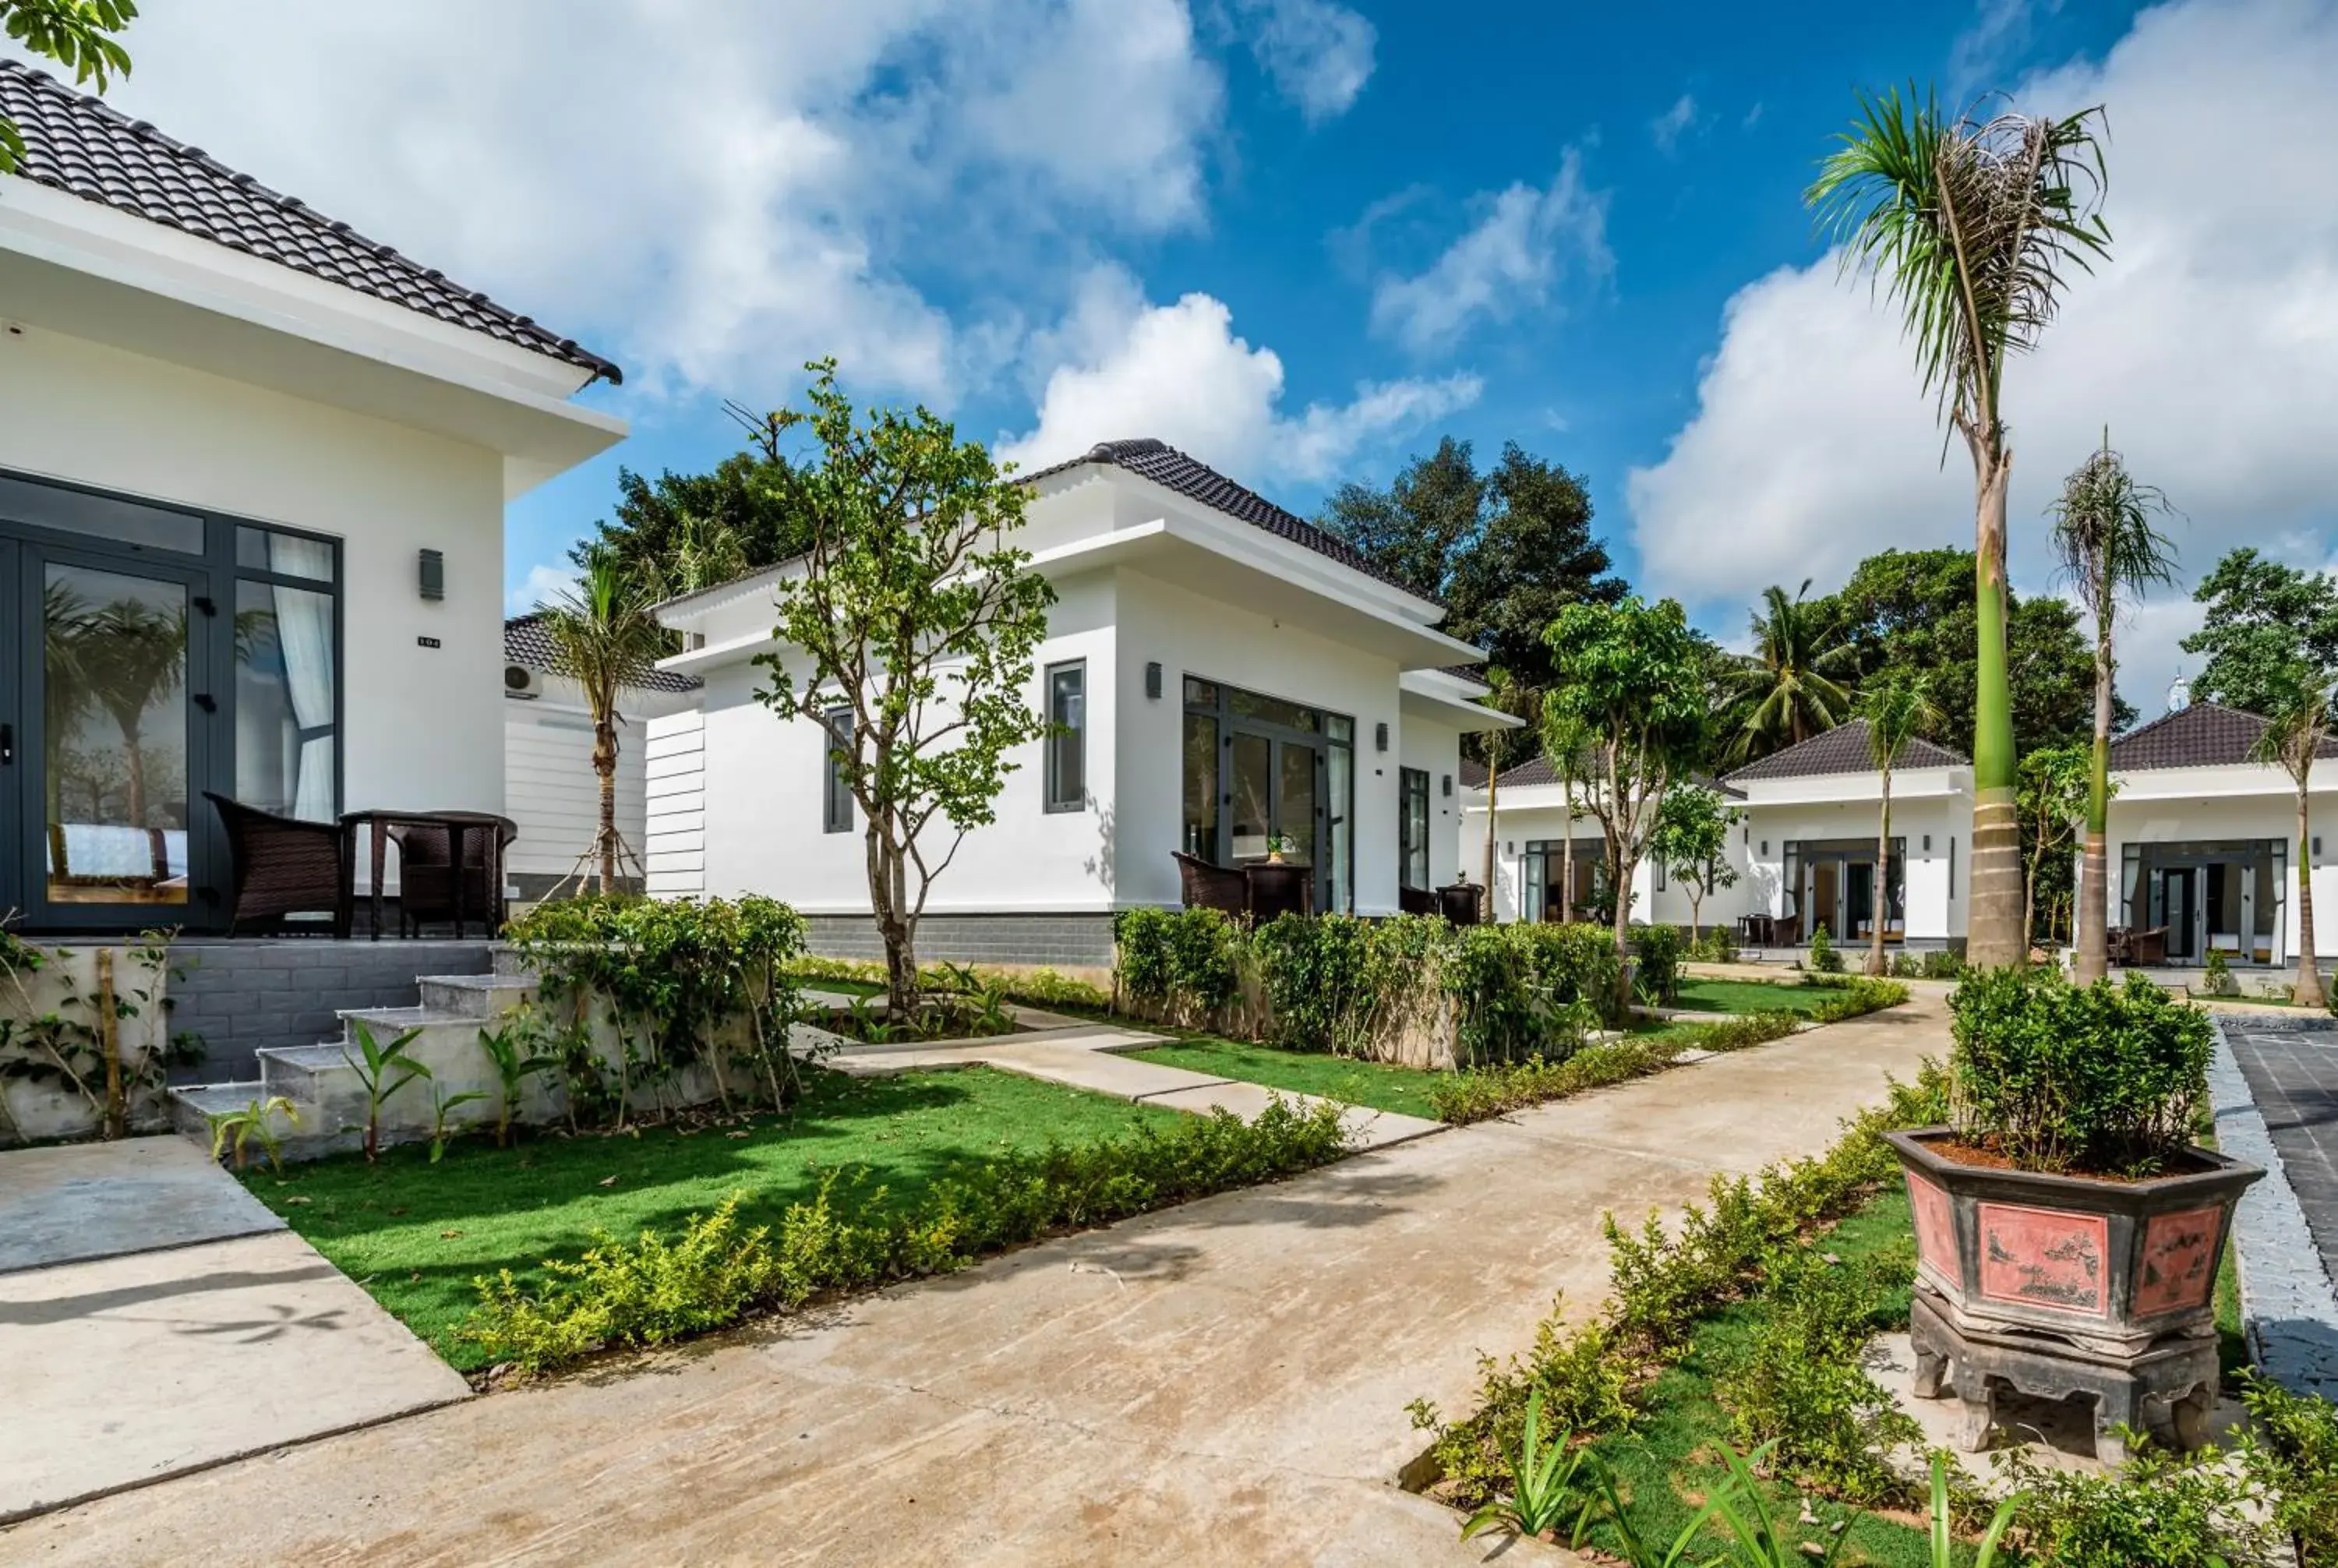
(1060, 941)
(242, 994)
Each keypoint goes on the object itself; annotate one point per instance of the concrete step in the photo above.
(478, 996)
(306, 1134)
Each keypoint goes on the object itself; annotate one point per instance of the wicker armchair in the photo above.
(430, 889)
(280, 865)
(1276, 890)
(1415, 901)
(1208, 886)
(1459, 902)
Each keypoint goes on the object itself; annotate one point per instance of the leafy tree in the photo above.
(1412, 529)
(2056, 787)
(1630, 675)
(2297, 706)
(1691, 842)
(1533, 556)
(2110, 551)
(684, 532)
(2261, 617)
(916, 612)
(1897, 708)
(78, 34)
(1974, 226)
(604, 636)
(1793, 685)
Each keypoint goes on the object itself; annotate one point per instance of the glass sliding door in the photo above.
(1262, 772)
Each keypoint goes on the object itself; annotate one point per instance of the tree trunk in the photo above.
(1879, 906)
(1618, 873)
(1493, 795)
(2090, 950)
(1567, 861)
(605, 764)
(2309, 992)
(1994, 937)
(889, 903)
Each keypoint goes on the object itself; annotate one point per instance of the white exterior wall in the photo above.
(2188, 805)
(1934, 801)
(674, 803)
(1539, 813)
(550, 789)
(1436, 750)
(422, 727)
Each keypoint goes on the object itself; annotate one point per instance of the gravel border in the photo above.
(2288, 1308)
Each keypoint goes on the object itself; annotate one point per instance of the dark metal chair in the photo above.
(430, 889)
(1459, 904)
(280, 865)
(2148, 948)
(1208, 886)
(1415, 901)
(1276, 890)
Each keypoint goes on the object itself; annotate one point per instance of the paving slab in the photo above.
(71, 1201)
(1222, 1382)
(120, 1370)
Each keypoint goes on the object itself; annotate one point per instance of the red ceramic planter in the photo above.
(2109, 1265)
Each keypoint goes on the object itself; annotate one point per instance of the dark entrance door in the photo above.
(108, 713)
(2178, 889)
(1276, 786)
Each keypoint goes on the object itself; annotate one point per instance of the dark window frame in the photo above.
(1056, 800)
(1411, 783)
(836, 802)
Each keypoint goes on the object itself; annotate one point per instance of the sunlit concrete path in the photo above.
(1225, 1382)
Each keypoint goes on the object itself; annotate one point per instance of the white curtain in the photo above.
(304, 629)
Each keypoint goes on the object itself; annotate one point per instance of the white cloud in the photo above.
(711, 193)
(2001, 31)
(1667, 128)
(2208, 343)
(547, 583)
(1319, 54)
(1127, 367)
(1527, 240)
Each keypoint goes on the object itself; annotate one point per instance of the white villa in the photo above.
(1224, 670)
(2202, 838)
(254, 467)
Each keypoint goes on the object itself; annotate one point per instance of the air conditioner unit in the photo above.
(522, 682)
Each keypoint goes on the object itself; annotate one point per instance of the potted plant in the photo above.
(1278, 846)
(2068, 1201)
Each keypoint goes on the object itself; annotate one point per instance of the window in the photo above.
(836, 806)
(1201, 834)
(1067, 737)
(1412, 827)
(286, 675)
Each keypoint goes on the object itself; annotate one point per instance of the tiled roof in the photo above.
(1536, 771)
(525, 642)
(1841, 750)
(1473, 773)
(1172, 469)
(2202, 735)
(82, 146)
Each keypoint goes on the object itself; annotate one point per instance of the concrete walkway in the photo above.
(1223, 1382)
(1087, 1056)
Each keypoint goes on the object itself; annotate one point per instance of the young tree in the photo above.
(1632, 676)
(1897, 708)
(1974, 228)
(2110, 551)
(2055, 796)
(1793, 685)
(1691, 842)
(78, 34)
(604, 636)
(1568, 745)
(1501, 747)
(2297, 732)
(917, 615)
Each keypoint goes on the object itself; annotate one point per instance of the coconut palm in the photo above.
(2297, 727)
(1974, 228)
(1898, 707)
(603, 635)
(1790, 687)
(2110, 551)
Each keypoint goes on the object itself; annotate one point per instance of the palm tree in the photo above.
(1898, 707)
(2110, 551)
(1566, 741)
(2297, 727)
(1974, 228)
(603, 635)
(1791, 688)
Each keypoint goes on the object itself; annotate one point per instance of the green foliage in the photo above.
(2218, 981)
(1544, 1493)
(652, 1290)
(1823, 959)
(1326, 977)
(2106, 1079)
(684, 980)
(382, 1071)
(255, 1123)
(916, 613)
(1855, 995)
(1942, 965)
(605, 635)
(78, 34)
(2289, 1449)
(511, 1050)
(1691, 841)
(1795, 683)
(2261, 617)
(1478, 1094)
(75, 1046)
(2167, 1509)
(1942, 1521)
(1038, 987)
(691, 531)
(1525, 990)
(2051, 792)
(1185, 963)
(1657, 953)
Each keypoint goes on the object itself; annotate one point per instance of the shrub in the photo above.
(1324, 979)
(2165, 1510)
(2218, 981)
(1747, 1029)
(2291, 1450)
(652, 1291)
(1476, 1094)
(1657, 951)
(1855, 995)
(1939, 964)
(1824, 958)
(2108, 1079)
(1185, 963)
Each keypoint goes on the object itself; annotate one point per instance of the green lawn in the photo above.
(1404, 1090)
(1748, 996)
(416, 1235)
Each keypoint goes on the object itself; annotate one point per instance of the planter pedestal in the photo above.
(2179, 1375)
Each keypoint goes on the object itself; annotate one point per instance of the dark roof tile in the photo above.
(2201, 735)
(1536, 771)
(526, 642)
(80, 145)
(1841, 750)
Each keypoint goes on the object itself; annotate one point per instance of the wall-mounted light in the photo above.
(433, 574)
(1153, 681)
(1511, 846)
(1448, 791)
(1765, 848)
(1927, 843)
(1380, 737)
(2317, 845)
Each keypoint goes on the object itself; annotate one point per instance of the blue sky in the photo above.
(1303, 238)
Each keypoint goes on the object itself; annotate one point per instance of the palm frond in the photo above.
(2103, 532)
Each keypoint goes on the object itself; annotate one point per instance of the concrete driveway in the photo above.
(155, 1318)
(1224, 1382)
